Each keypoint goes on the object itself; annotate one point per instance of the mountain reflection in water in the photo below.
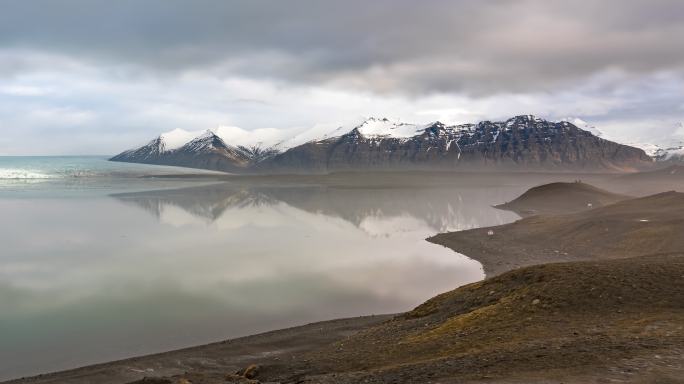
(97, 278)
(438, 208)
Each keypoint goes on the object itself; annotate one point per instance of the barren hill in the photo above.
(561, 198)
(648, 225)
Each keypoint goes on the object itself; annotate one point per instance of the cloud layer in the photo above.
(128, 69)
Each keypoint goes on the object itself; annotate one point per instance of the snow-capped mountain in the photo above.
(206, 151)
(379, 143)
(669, 148)
(154, 150)
(520, 142)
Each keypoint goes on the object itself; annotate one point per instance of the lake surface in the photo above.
(103, 264)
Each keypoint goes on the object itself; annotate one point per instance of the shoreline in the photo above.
(288, 347)
(231, 354)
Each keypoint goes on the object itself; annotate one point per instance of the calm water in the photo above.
(114, 266)
(76, 176)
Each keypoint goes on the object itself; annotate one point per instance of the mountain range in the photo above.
(523, 142)
(669, 148)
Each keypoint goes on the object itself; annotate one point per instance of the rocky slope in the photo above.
(520, 143)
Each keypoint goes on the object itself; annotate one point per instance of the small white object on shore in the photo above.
(490, 233)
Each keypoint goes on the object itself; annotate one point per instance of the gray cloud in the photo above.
(98, 76)
(471, 46)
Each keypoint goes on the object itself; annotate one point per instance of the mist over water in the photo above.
(116, 271)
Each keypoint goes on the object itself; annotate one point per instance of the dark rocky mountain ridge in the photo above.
(520, 143)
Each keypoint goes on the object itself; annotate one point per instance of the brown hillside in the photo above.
(634, 227)
(559, 319)
(557, 198)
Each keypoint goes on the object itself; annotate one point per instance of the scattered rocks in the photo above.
(251, 372)
(244, 376)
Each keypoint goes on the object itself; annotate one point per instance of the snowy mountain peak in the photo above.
(524, 119)
(175, 139)
(207, 141)
(435, 125)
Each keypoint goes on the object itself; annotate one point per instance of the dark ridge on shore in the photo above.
(561, 197)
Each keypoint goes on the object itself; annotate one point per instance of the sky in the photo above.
(101, 76)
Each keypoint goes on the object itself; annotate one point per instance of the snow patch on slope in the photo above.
(262, 137)
(652, 150)
(317, 133)
(665, 148)
(582, 124)
(373, 127)
(675, 153)
(368, 127)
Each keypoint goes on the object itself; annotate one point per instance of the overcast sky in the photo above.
(100, 76)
